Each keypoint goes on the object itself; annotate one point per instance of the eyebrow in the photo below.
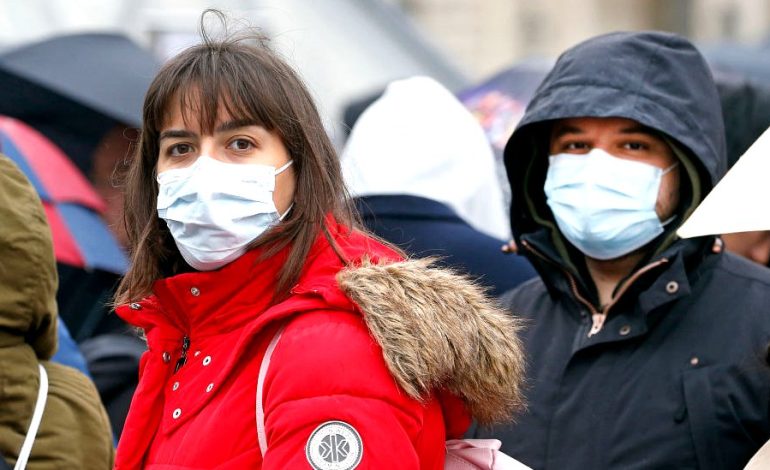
(563, 130)
(639, 130)
(635, 129)
(176, 133)
(235, 124)
(224, 127)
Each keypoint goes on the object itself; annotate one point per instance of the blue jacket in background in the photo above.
(68, 352)
(423, 227)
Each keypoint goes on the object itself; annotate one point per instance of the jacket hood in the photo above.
(418, 139)
(438, 331)
(28, 278)
(657, 79)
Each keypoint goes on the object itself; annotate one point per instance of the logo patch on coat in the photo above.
(334, 445)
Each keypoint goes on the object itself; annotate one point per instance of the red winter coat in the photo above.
(332, 364)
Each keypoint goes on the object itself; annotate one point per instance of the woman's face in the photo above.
(233, 141)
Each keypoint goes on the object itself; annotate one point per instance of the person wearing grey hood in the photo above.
(645, 349)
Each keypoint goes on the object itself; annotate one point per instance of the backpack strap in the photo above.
(37, 416)
(261, 436)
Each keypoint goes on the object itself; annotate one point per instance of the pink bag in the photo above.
(461, 454)
(469, 454)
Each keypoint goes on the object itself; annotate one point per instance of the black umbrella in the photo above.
(74, 88)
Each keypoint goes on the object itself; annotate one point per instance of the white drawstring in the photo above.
(37, 416)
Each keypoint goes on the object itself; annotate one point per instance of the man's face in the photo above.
(622, 138)
(112, 153)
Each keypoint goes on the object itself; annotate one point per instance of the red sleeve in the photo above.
(329, 397)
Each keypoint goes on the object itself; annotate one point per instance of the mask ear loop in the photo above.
(281, 169)
(668, 170)
(278, 171)
(280, 218)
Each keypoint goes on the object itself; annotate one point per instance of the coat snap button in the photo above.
(176, 386)
(195, 291)
(624, 330)
(672, 287)
(207, 360)
(209, 388)
(177, 413)
(135, 306)
(166, 356)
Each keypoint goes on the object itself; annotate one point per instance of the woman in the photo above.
(240, 228)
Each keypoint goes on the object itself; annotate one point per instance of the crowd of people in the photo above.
(304, 309)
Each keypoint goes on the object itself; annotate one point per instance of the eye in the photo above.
(240, 144)
(635, 146)
(574, 146)
(177, 150)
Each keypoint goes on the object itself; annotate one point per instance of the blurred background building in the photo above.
(486, 36)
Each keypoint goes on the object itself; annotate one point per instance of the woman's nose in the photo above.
(207, 147)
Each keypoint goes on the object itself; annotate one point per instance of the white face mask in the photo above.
(604, 205)
(215, 209)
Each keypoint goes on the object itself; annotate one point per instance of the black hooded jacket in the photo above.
(676, 378)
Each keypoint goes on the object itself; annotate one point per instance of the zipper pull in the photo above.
(183, 358)
(598, 323)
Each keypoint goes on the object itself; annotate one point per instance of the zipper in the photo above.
(598, 321)
(597, 317)
(183, 358)
(567, 274)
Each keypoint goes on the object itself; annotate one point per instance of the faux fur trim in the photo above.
(438, 330)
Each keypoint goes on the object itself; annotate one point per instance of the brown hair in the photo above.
(241, 75)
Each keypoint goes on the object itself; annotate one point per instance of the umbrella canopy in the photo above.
(74, 88)
(499, 102)
(80, 238)
(738, 203)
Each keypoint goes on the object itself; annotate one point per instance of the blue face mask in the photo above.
(215, 209)
(604, 205)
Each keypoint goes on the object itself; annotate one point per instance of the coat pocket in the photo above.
(702, 417)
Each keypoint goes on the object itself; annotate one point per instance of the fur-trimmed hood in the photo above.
(439, 330)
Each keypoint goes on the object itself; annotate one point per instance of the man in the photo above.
(646, 351)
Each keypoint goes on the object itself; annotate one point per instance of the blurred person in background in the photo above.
(746, 112)
(245, 253)
(423, 176)
(74, 431)
(84, 92)
(739, 204)
(646, 350)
